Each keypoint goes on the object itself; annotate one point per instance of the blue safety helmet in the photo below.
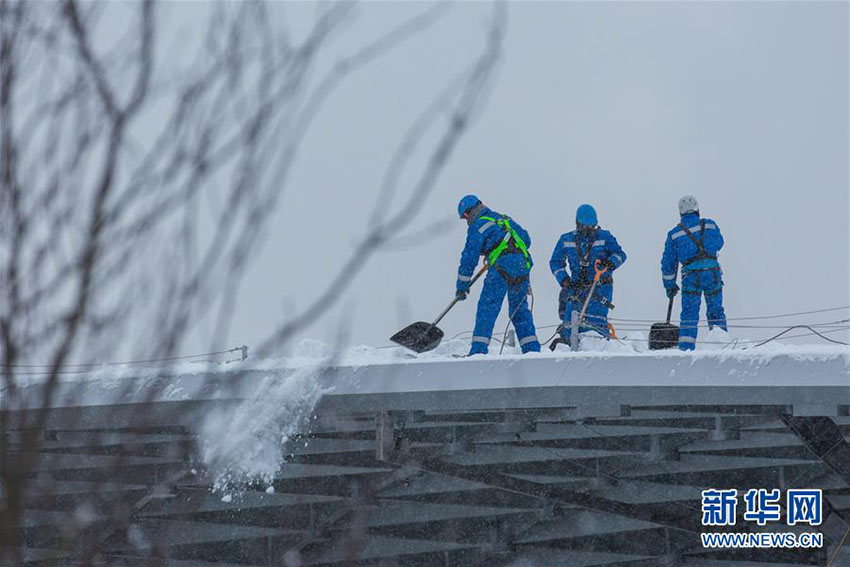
(586, 215)
(466, 203)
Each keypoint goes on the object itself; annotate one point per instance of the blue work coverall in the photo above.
(579, 251)
(701, 273)
(508, 276)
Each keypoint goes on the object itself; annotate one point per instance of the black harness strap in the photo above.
(700, 243)
(584, 261)
(717, 282)
(603, 301)
(604, 280)
(701, 253)
(563, 297)
(512, 281)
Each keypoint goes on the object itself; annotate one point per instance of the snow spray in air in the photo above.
(246, 443)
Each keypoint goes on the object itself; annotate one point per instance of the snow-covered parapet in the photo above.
(244, 412)
(702, 377)
(805, 378)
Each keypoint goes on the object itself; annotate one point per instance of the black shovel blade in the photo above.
(419, 337)
(663, 335)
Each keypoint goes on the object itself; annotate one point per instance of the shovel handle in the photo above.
(600, 269)
(670, 309)
(455, 300)
(670, 304)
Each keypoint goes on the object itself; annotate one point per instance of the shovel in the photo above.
(423, 336)
(664, 335)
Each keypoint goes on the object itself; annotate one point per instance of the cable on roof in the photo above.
(778, 316)
(776, 336)
(80, 368)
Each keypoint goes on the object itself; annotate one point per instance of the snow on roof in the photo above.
(244, 411)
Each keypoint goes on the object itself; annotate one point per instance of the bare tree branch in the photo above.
(110, 155)
(473, 88)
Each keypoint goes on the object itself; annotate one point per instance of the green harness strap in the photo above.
(505, 224)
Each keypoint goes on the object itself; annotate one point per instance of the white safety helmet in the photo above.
(688, 204)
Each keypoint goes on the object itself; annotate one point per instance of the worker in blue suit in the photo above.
(505, 244)
(694, 243)
(581, 248)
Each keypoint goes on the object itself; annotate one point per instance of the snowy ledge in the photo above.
(808, 379)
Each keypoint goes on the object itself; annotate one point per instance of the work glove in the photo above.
(672, 291)
(608, 265)
(461, 294)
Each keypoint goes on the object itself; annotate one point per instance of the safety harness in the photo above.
(584, 261)
(700, 255)
(584, 282)
(565, 297)
(510, 243)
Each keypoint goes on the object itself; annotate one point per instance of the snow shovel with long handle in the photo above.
(664, 335)
(423, 336)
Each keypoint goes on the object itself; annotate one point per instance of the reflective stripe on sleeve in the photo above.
(599, 243)
(669, 276)
(464, 278)
(569, 244)
(528, 339)
(485, 340)
(487, 225)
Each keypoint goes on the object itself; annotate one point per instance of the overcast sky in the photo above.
(626, 106)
